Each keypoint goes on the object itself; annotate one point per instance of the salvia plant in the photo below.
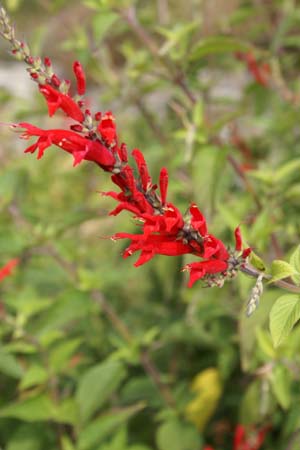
(161, 228)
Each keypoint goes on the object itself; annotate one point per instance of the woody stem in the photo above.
(252, 272)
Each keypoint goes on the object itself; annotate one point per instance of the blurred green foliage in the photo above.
(98, 355)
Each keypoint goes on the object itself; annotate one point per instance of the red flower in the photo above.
(252, 440)
(79, 146)
(80, 77)
(56, 100)
(200, 269)
(7, 269)
(163, 185)
(107, 128)
(142, 168)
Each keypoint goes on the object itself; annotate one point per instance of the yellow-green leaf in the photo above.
(295, 263)
(281, 269)
(283, 316)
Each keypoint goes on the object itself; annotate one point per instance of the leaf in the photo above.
(104, 426)
(207, 388)
(280, 269)
(39, 408)
(97, 385)
(283, 316)
(35, 375)
(177, 435)
(60, 356)
(257, 262)
(102, 22)
(9, 365)
(67, 412)
(216, 45)
(27, 437)
(286, 170)
(295, 263)
(281, 385)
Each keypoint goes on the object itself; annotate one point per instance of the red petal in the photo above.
(198, 221)
(7, 269)
(238, 239)
(163, 184)
(80, 77)
(142, 168)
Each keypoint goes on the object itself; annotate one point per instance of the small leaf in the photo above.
(257, 262)
(283, 316)
(177, 435)
(35, 375)
(216, 45)
(281, 385)
(101, 428)
(281, 269)
(9, 365)
(207, 388)
(60, 356)
(32, 409)
(295, 263)
(97, 385)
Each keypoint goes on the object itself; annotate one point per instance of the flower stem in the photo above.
(252, 272)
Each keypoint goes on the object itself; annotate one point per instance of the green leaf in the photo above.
(101, 428)
(27, 437)
(287, 170)
(67, 412)
(295, 263)
(281, 269)
(102, 22)
(60, 356)
(97, 385)
(283, 316)
(9, 365)
(35, 375)
(177, 435)
(257, 262)
(216, 45)
(281, 385)
(39, 408)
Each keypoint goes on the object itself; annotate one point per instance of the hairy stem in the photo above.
(252, 272)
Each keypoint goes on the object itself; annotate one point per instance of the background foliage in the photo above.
(96, 354)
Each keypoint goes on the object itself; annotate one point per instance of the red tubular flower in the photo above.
(151, 245)
(163, 185)
(107, 128)
(238, 239)
(80, 147)
(200, 269)
(198, 221)
(80, 77)
(142, 168)
(248, 441)
(56, 100)
(7, 269)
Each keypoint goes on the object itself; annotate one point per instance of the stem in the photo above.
(252, 272)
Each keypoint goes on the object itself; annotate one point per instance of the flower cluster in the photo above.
(93, 137)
